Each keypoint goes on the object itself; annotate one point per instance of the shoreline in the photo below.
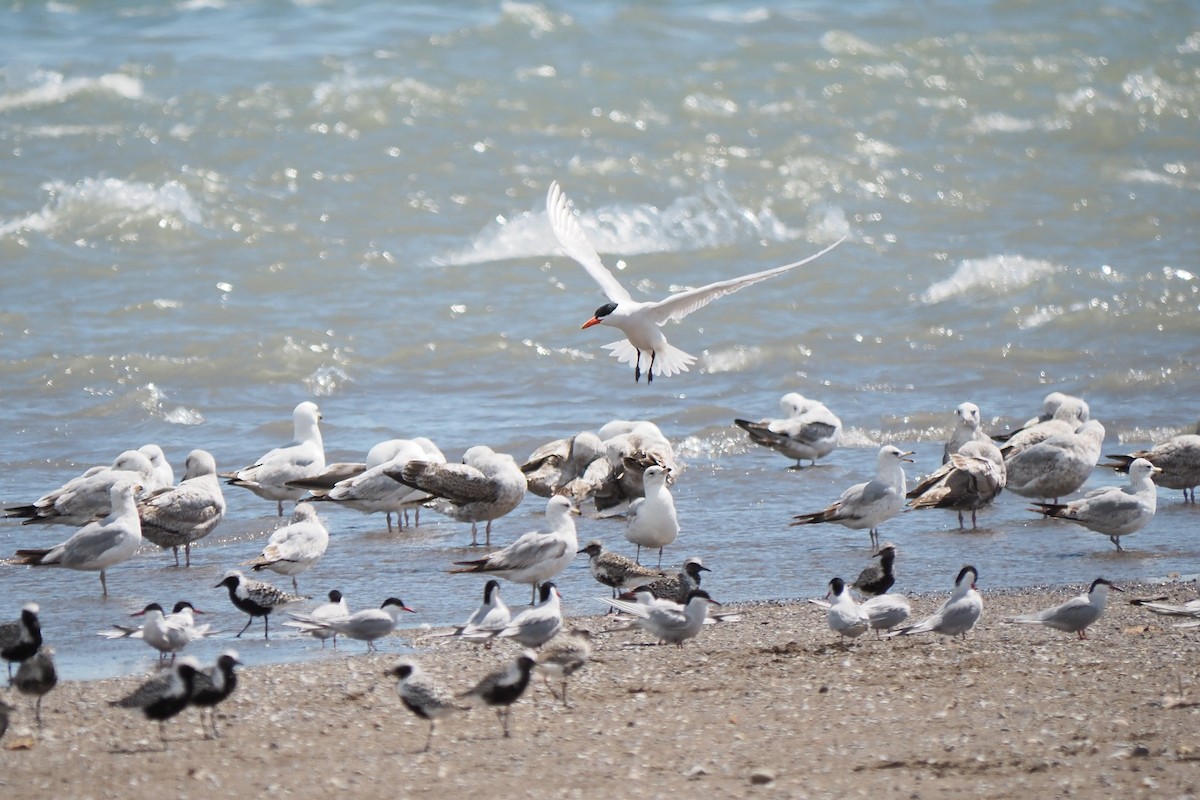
(773, 703)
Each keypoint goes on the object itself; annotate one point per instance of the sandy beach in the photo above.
(771, 705)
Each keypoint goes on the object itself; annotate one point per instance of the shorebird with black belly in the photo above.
(422, 695)
(164, 695)
(502, 688)
(256, 598)
(37, 676)
(21, 638)
(213, 685)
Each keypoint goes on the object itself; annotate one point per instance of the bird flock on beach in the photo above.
(625, 468)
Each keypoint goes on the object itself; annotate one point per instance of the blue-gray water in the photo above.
(210, 211)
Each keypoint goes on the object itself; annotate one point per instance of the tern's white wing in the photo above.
(573, 240)
(679, 305)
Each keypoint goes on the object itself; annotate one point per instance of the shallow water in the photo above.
(211, 211)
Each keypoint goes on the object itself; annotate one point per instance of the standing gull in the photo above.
(296, 547)
(1076, 410)
(868, 505)
(957, 615)
(89, 497)
(422, 695)
(640, 321)
(212, 686)
(966, 429)
(503, 687)
(37, 676)
(808, 431)
(485, 487)
(256, 598)
(1075, 615)
(1057, 466)
(182, 515)
(1177, 458)
(373, 491)
(1113, 511)
(970, 480)
(21, 637)
(536, 556)
(302, 458)
(652, 521)
(98, 545)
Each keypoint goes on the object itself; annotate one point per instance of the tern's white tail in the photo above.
(668, 360)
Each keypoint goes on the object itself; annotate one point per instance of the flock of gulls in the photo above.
(625, 468)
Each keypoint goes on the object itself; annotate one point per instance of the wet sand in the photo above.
(773, 705)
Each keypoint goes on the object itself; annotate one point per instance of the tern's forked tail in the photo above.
(668, 359)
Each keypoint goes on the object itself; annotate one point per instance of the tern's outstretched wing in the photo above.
(573, 240)
(679, 305)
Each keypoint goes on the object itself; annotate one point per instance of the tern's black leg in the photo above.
(637, 368)
(650, 372)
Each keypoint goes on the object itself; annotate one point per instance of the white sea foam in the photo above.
(996, 274)
(102, 202)
(51, 88)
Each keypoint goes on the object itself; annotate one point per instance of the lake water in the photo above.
(210, 211)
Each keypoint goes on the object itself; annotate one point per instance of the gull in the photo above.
(162, 475)
(1064, 420)
(970, 480)
(1113, 511)
(640, 321)
(170, 633)
(538, 623)
(965, 430)
(302, 458)
(37, 676)
(485, 487)
(878, 578)
(1075, 615)
(617, 571)
(1057, 466)
(422, 695)
(336, 608)
(296, 547)
(668, 622)
(677, 587)
(652, 521)
(844, 616)
(503, 687)
(89, 497)
(617, 479)
(178, 516)
(536, 556)
(868, 505)
(957, 615)
(163, 695)
(557, 463)
(339, 471)
(563, 656)
(372, 490)
(256, 598)
(21, 637)
(1178, 458)
(98, 545)
(1076, 410)
(366, 625)
(213, 685)
(808, 430)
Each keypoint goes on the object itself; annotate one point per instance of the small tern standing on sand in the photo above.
(640, 321)
(1075, 615)
(366, 625)
(957, 615)
(844, 616)
(668, 622)
(539, 623)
